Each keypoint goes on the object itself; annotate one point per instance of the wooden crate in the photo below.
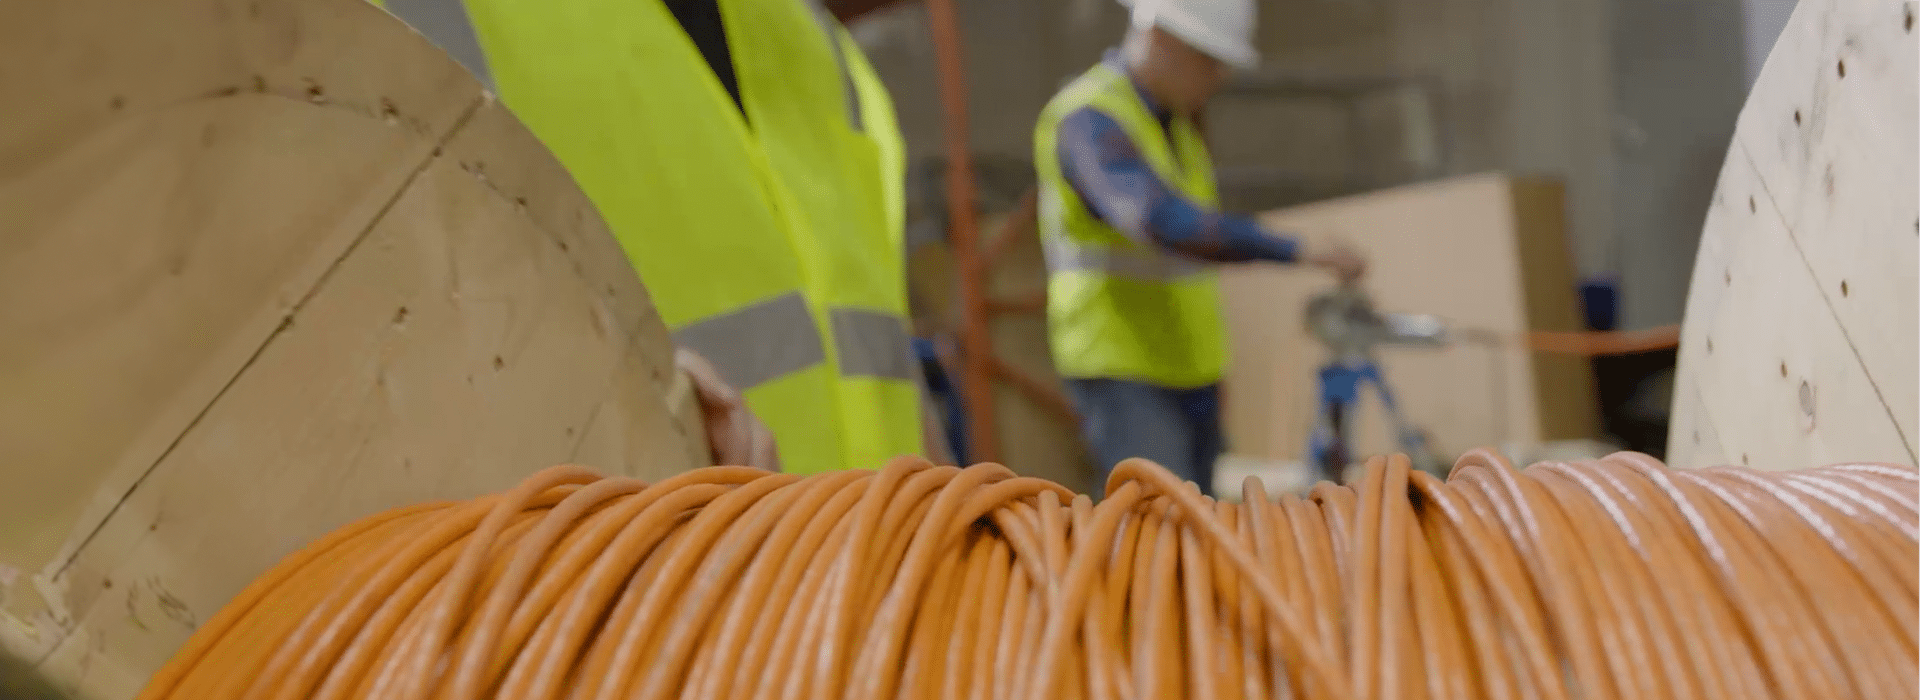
(1487, 253)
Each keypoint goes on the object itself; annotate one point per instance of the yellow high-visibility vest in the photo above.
(1117, 307)
(704, 202)
(880, 124)
(806, 108)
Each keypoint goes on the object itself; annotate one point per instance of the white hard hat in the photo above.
(1222, 29)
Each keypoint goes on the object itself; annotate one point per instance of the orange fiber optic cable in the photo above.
(1613, 578)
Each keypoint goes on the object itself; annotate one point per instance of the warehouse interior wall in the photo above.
(1680, 76)
(1627, 101)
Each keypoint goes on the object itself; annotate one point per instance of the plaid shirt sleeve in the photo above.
(1106, 169)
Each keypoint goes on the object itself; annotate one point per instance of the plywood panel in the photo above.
(628, 431)
(1799, 344)
(481, 381)
(1770, 387)
(153, 240)
(126, 336)
(1552, 303)
(1453, 248)
(270, 266)
(506, 159)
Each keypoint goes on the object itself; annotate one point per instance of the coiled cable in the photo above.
(1615, 578)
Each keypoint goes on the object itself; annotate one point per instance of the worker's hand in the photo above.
(734, 434)
(1337, 257)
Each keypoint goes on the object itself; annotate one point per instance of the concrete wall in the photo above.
(1679, 80)
(1520, 84)
(1763, 21)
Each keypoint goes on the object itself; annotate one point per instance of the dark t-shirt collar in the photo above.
(1114, 60)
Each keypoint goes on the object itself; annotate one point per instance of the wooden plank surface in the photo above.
(1452, 248)
(271, 266)
(1799, 345)
(501, 155)
(1552, 303)
(355, 408)
(159, 229)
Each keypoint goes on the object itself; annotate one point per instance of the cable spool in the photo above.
(1612, 578)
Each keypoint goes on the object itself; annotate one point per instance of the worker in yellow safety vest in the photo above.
(1130, 223)
(745, 155)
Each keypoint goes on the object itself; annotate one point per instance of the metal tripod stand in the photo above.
(1343, 319)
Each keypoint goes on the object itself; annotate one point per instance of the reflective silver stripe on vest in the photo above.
(445, 23)
(757, 344)
(872, 344)
(1065, 255)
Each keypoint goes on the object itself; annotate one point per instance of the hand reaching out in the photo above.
(734, 434)
(1337, 257)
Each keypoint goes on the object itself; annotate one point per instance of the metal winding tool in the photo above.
(1344, 320)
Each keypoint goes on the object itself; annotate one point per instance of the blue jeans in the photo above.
(1179, 428)
(947, 396)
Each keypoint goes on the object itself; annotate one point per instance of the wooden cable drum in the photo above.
(267, 266)
(1606, 579)
(1801, 342)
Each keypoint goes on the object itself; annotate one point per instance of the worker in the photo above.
(745, 156)
(1130, 223)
